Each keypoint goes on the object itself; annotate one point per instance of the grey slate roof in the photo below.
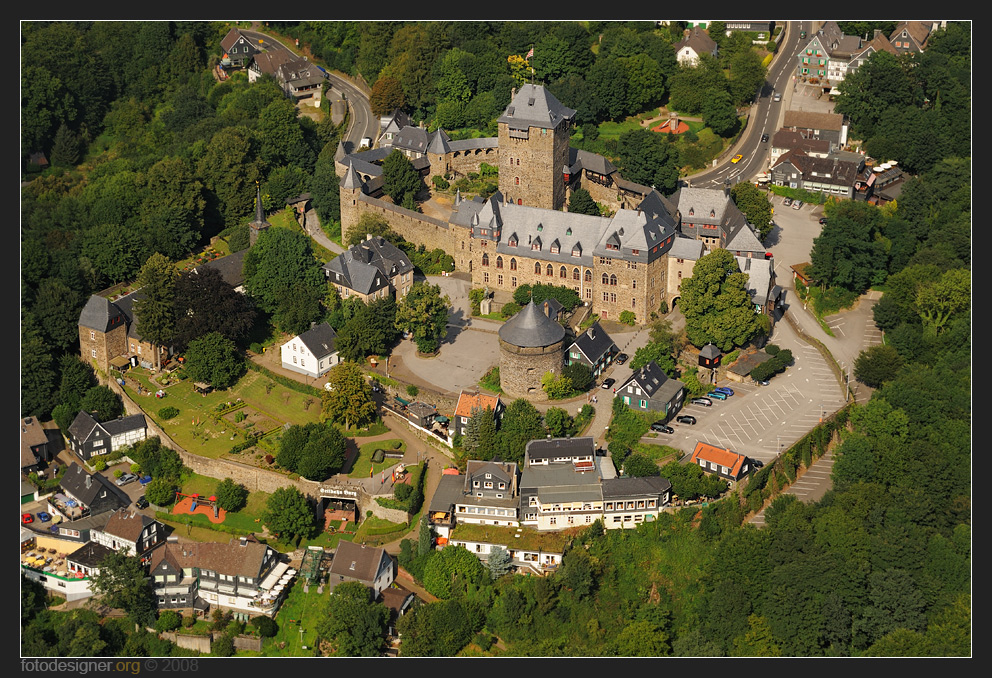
(698, 41)
(594, 343)
(759, 277)
(450, 490)
(101, 314)
(789, 140)
(534, 106)
(630, 487)
(231, 267)
(368, 266)
(357, 561)
(686, 248)
(584, 160)
(82, 426)
(319, 339)
(90, 555)
(124, 424)
(74, 482)
(127, 524)
(650, 378)
(531, 328)
(551, 448)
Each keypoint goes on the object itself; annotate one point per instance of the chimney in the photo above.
(513, 92)
(592, 332)
(89, 481)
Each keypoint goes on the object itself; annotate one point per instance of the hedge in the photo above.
(284, 381)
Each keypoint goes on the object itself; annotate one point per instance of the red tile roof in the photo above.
(718, 455)
(466, 401)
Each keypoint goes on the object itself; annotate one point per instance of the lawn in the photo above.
(299, 611)
(362, 465)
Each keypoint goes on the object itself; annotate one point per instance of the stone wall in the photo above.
(413, 226)
(531, 169)
(521, 369)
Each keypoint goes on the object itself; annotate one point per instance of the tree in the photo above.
(37, 375)
(161, 491)
(57, 308)
(940, 300)
(371, 331)
(580, 375)
(639, 465)
(280, 268)
(231, 496)
(755, 205)
(230, 168)
(288, 514)
(65, 149)
(400, 181)
(215, 360)
(424, 313)
(716, 303)
(499, 562)
(657, 353)
(172, 211)
(649, 159)
(354, 622)
(168, 620)
(582, 203)
(387, 96)
(205, 303)
(121, 583)
(747, 74)
(720, 114)
(349, 400)
(371, 224)
(876, 365)
(521, 423)
(102, 403)
(556, 385)
(154, 305)
(452, 568)
(315, 451)
(480, 433)
(558, 422)
(848, 252)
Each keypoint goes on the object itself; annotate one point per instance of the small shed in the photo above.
(202, 387)
(709, 356)
(421, 414)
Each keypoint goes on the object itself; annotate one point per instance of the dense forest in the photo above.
(152, 155)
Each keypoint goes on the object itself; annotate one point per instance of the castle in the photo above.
(520, 235)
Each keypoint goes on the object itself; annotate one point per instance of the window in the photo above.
(537, 268)
(93, 336)
(588, 293)
(633, 284)
(513, 281)
(613, 280)
(606, 296)
(606, 279)
(513, 264)
(588, 276)
(551, 271)
(499, 262)
(562, 273)
(516, 180)
(499, 280)
(575, 274)
(485, 277)
(633, 302)
(644, 403)
(92, 352)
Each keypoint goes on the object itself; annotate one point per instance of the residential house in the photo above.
(85, 561)
(268, 63)
(880, 184)
(371, 270)
(912, 36)
(650, 390)
(301, 79)
(469, 402)
(390, 125)
(786, 140)
(134, 532)
(531, 552)
(711, 216)
(35, 451)
(230, 268)
(593, 348)
(812, 125)
(87, 495)
(828, 55)
(695, 42)
(369, 565)
(486, 494)
(560, 485)
(238, 49)
(721, 461)
(765, 294)
(242, 575)
(109, 338)
(628, 502)
(89, 438)
(311, 353)
(831, 175)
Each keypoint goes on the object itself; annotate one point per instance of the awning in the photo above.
(273, 577)
(120, 362)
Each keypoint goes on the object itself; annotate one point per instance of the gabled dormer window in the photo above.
(568, 232)
(540, 227)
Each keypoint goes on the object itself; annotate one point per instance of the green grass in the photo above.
(659, 453)
(306, 609)
(362, 465)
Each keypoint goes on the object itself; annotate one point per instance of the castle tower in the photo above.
(530, 344)
(259, 224)
(533, 148)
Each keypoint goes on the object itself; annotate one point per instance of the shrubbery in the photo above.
(168, 412)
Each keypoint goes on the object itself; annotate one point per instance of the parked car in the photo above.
(717, 395)
(764, 138)
(797, 204)
(705, 402)
(757, 463)
(724, 389)
(787, 202)
(661, 428)
(141, 503)
(145, 480)
(126, 478)
(600, 452)
(762, 382)
(685, 419)
(607, 383)
(823, 220)
(44, 517)
(27, 518)
(621, 358)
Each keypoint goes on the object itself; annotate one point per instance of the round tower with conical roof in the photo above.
(530, 345)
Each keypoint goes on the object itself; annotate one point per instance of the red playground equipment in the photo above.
(199, 501)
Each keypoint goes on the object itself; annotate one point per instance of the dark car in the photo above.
(685, 419)
(145, 480)
(787, 202)
(764, 138)
(661, 428)
(705, 402)
(607, 383)
(757, 463)
(600, 452)
(620, 359)
(823, 220)
(141, 503)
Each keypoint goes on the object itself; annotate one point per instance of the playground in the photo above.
(194, 503)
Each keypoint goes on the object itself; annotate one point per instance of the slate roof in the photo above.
(299, 73)
(919, 31)
(653, 381)
(594, 343)
(450, 490)
(74, 482)
(630, 487)
(529, 327)
(269, 62)
(232, 558)
(830, 170)
(357, 561)
(231, 268)
(561, 483)
(760, 272)
(534, 106)
(32, 434)
(133, 422)
(698, 41)
(232, 38)
(90, 555)
(368, 266)
(584, 160)
(82, 426)
(319, 339)
(550, 448)
(790, 139)
(686, 248)
(101, 314)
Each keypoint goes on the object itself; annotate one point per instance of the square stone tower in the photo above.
(533, 148)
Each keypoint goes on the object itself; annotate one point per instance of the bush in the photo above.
(222, 646)
(772, 349)
(168, 620)
(402, 492)
(397, 444)
(510, 309)
(118, 473)
(412, 390)
(168, 412)
(628, 317)
(378, 456)
(266, 626)
(484, 641)
(99, 465)
(440, 182)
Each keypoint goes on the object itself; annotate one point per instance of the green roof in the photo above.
(530, 539)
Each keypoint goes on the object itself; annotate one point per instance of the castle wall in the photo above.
(521, 369)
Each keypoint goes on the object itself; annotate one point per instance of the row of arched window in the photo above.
(549, 271)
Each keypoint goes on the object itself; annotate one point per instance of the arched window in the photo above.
(551, 271)
(606, 279)
(513, 264)
(537, 268)
(575, 274)
(485, 259)
(633, 283)
(499, 262)
(516, 181)
(562, 273)
(588, 276)
(613, 280)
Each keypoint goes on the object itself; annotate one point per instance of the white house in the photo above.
(311, 353)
